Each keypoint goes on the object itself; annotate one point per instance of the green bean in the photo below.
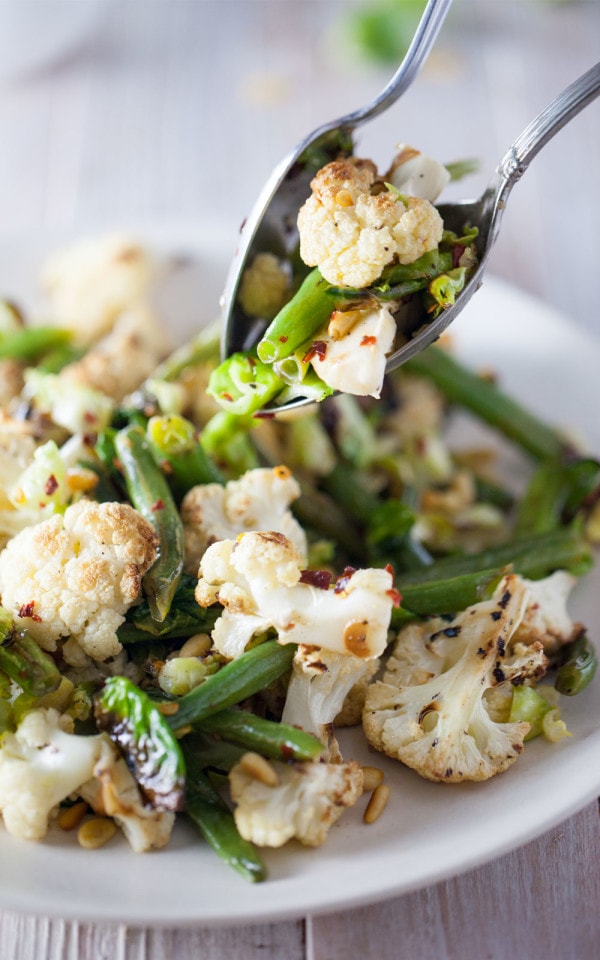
(176, 444)
(149, 492)
(243, 384)
(277, 741)
(243, 677)
(448, 595)
(212, 817)
(578, 667)
(533, 557)
(542, 503)
(301, 317)
(487, 401)
(29, 343)
(23, 660)
(225, 439)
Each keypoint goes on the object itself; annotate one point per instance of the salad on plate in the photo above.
(195, 598)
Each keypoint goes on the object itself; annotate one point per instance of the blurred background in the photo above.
(118, 113)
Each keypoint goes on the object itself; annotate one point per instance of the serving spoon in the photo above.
(271, 225)
(484, 213)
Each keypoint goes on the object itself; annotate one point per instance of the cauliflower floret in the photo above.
(258, 581)
(113, 792)
(353, 361)
(351, 235)
(307, 800)
(123, 358)
(547, 619)
(265, 286)
(258, 500)
(418, 175)
(91, 282)
(320, 682)
(429, 712)
(40, 765)
(78, 574)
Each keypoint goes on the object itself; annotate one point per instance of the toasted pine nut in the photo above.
(372, 777)
(196, 646)
(80, 479)
(377, 803)
(343, 198)
(260, 769)
(71, 817)
(169, 708)
(96, 832)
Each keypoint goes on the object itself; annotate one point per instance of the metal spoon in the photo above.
(271, 225)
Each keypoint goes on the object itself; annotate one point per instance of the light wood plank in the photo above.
(540, 903)
(35, 938)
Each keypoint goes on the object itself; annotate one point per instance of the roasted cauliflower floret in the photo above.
(40, 765)
(258, 500)
(265, 286)
(321, 681)
(124, 358)
(258, 579)
(429, 711)
(76, 575)
(547, 619)
(356, 344)
(351, 234)
(91, 282)
(113, 792)
(306, 801)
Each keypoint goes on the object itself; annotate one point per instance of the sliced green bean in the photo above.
(176, 444)
(487, 401)
(278, 741)
(243, 384)
(242, 678)
(212, 817)
(150, 494)
(449, 595)
(23, 660)
(29, 343)
(578, 667)
(301, 317)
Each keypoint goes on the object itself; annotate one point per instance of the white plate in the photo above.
(428, 832)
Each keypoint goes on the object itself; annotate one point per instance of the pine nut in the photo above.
(259, 769)
(343, 198)
(372, 777)
(71, 817)
(169, 708)
(96, 832)
(196, 646)
(377, 803)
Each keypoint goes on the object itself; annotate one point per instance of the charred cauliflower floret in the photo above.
(76, 575)
(259, 581)
(90, 283)
(113, 792)
(41, 764)
(258, 500)
(303, 804)
(351, 233)
(429, 710)
(546, 618)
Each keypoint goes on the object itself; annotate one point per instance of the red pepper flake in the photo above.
(457, 252)
(227, 396)
(90, 417)
(368, 341)
(51, 485)
(263, 415)
(342, 582)
(158, 505)
(317, 349)
(26, 611)
(251, 361)
(283, 339)
(394, 595)
(389, 569)
(316, 578)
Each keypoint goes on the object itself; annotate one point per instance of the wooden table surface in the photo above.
(176, 112)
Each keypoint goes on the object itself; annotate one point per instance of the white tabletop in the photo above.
(175, 111)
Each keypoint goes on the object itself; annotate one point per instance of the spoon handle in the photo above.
(547, 123)
(425, 35)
